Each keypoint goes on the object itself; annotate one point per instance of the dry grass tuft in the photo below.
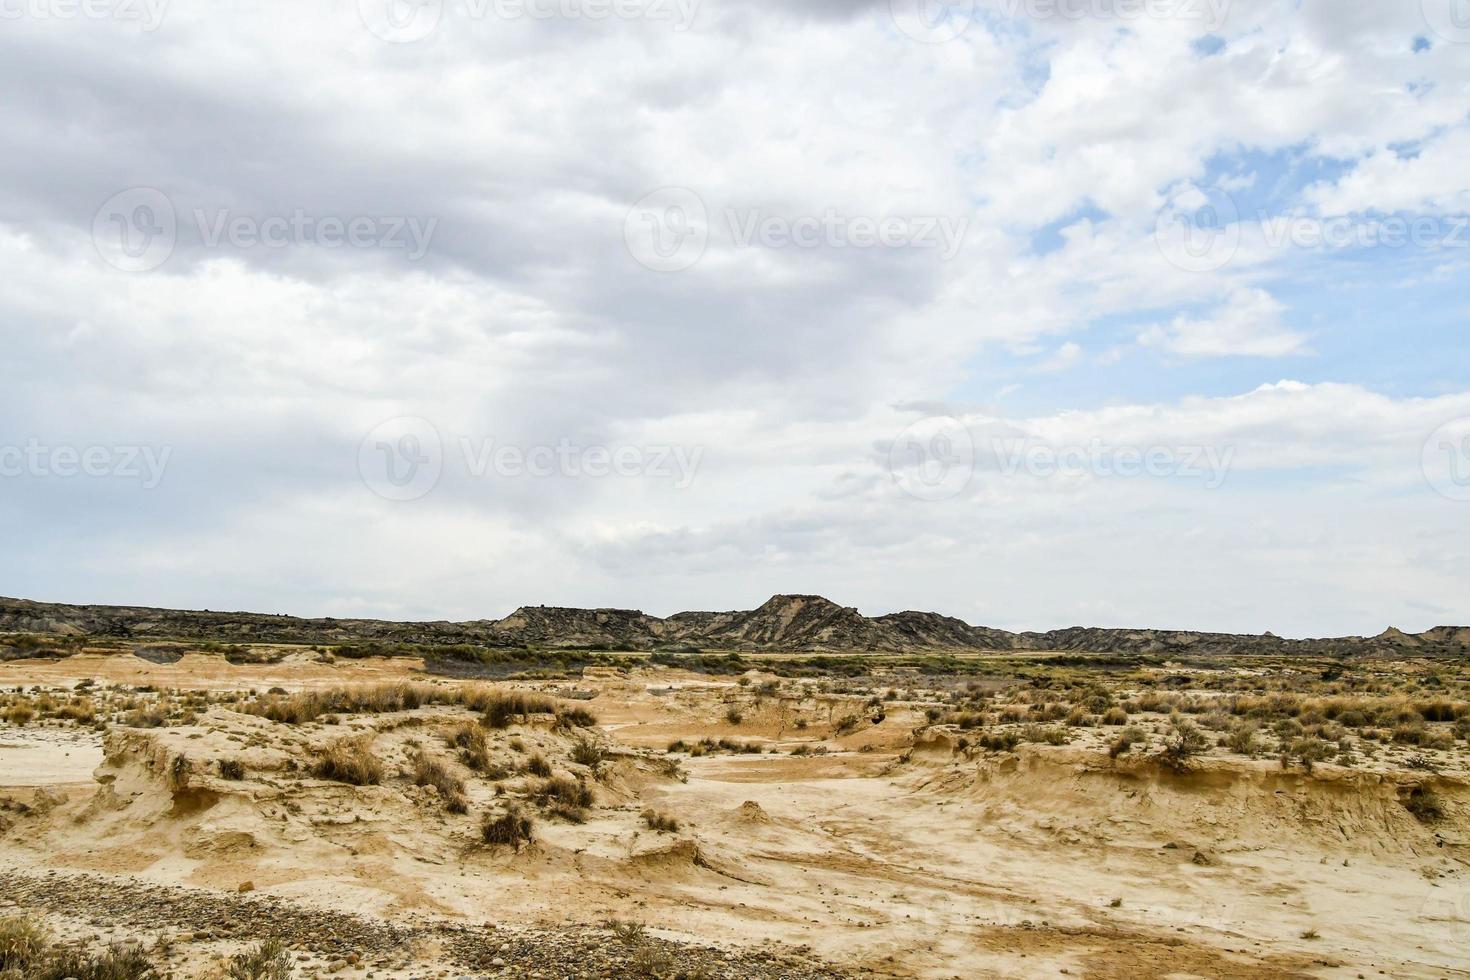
(428, 771)
(268, 960)
(351, 760)
(661, 822)
(511, 827)
(565, 797)
(23, 942)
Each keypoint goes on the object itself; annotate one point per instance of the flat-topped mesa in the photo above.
(783, 623)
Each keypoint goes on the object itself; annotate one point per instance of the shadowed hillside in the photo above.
(783, 623)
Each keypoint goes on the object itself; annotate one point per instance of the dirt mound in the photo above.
(1225, 805)
(751, 812)
(243, 796)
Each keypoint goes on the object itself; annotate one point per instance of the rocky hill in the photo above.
(789, 623)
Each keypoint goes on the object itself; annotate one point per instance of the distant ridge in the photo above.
(794, 623)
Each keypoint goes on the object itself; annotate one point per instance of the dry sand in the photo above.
(1039, 863)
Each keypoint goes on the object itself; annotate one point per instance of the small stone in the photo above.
(247, 886)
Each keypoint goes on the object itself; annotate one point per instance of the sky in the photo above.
(1038, 313)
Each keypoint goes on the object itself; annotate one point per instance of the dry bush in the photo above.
(564, 797)
(575, 717)
(733, 715)
(1115, 716)
(537, 765)
(1127, 738)
(20, 713)
(1308, 750)
(431, 772)
(627, 933)
(1425, 804)
(296, 709)
(1183, 743)
(351, 760)
(1437, 710)
(511, 827)
(661, 822)
(179, 771)
(466, 736)
(474, 751)
(1242, 739)
(588, 753)
(1002, 741)
(670, 768)
(115, 963)
(151, 716)
(79, 710)
(268, 960)
(23, 942)
(1047, 734)
(231, 769)
(650, 961)
(501, 708)
(497, 707)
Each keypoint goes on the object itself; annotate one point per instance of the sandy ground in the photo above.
(34, 756)
(1046, 862)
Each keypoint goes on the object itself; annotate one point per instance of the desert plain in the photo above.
(188, 808)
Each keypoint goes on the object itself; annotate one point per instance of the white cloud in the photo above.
(528, 322)
(1248, 323)
(1432, 179)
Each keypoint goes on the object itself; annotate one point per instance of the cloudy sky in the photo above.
(1035, 312)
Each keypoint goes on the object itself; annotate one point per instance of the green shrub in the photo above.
(1242, 739)
(1183, 743)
